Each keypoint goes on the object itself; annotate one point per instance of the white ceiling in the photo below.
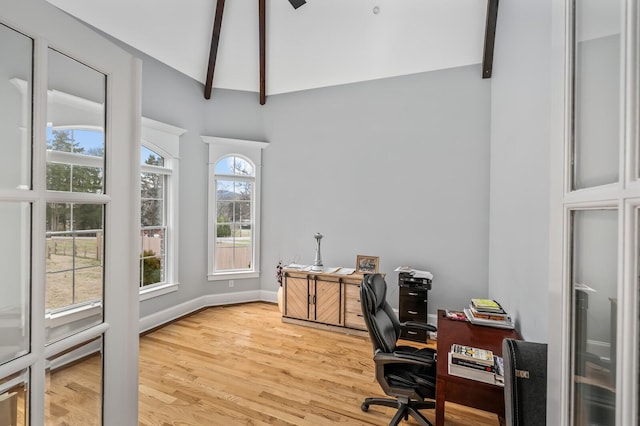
(323, 43)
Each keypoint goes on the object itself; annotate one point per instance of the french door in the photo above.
(594, 369)
(68, 174)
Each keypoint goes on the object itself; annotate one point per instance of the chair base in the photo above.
(405, 408)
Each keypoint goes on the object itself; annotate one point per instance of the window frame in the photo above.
(251, 151)
(164, 139)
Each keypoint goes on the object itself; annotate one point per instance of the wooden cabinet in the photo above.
(323, 300)
(353, 310)
(312, 298)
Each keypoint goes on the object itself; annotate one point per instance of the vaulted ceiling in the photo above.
(322, 43)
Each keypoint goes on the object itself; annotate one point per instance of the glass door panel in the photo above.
(15, 262)
(595, 288)
(14, 399)
(15, 109)
(74, 386)
(75, 126)
(596, 103)
(75, 164)
(74, 268)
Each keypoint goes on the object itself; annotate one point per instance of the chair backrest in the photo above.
(525, 382)
(381, 321)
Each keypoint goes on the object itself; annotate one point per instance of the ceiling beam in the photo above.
(215, 39)
(489, 38)
(263, 48)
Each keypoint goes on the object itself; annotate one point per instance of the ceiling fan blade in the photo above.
(297, 3)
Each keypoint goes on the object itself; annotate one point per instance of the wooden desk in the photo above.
(460, 390)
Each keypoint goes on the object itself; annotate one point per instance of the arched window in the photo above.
(234, 208)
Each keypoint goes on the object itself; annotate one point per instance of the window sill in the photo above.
(233, 276)
(155, 291)
(77, 313)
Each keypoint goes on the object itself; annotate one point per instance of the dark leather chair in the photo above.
(405, 373)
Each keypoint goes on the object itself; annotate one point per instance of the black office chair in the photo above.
(406, 373)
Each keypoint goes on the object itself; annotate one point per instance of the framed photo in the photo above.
(367, 264)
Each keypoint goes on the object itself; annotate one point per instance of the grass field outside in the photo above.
(73, 279)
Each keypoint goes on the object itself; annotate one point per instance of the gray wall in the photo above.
(520, 131)
(396, 168)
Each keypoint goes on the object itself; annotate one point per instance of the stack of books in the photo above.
(488, 312)
(475, 364)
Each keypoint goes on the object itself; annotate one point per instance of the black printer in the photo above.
(406, 279)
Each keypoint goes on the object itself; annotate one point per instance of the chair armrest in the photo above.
(421, 325)
(400, 358)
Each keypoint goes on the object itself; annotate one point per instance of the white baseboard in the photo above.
(432, 319)
(170, 314)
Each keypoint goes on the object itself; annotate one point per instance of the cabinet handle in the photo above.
(359, 315)
(413, 312)
(413, 294)
(314, 299)
(412, 332)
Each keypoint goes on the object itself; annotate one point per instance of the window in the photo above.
(158, 208)
(234, 182)
(234, 207)
(153, 214)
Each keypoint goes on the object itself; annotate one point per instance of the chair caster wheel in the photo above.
(364, 407)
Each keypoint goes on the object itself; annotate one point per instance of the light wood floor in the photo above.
(240, 365)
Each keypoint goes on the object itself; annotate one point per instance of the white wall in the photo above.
(520, 131)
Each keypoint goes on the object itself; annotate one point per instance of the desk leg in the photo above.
(440, 398)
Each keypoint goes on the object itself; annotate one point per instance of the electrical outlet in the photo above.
(231, 283)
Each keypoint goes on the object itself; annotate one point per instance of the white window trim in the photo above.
(165, 140)
(224, 147)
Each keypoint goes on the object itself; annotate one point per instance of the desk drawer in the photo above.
(353, 311)
(415, 334)
(413, 294)
(412, 312)
(413, 305)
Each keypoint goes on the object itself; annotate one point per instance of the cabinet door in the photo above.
(296, 294)
(327, 302)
